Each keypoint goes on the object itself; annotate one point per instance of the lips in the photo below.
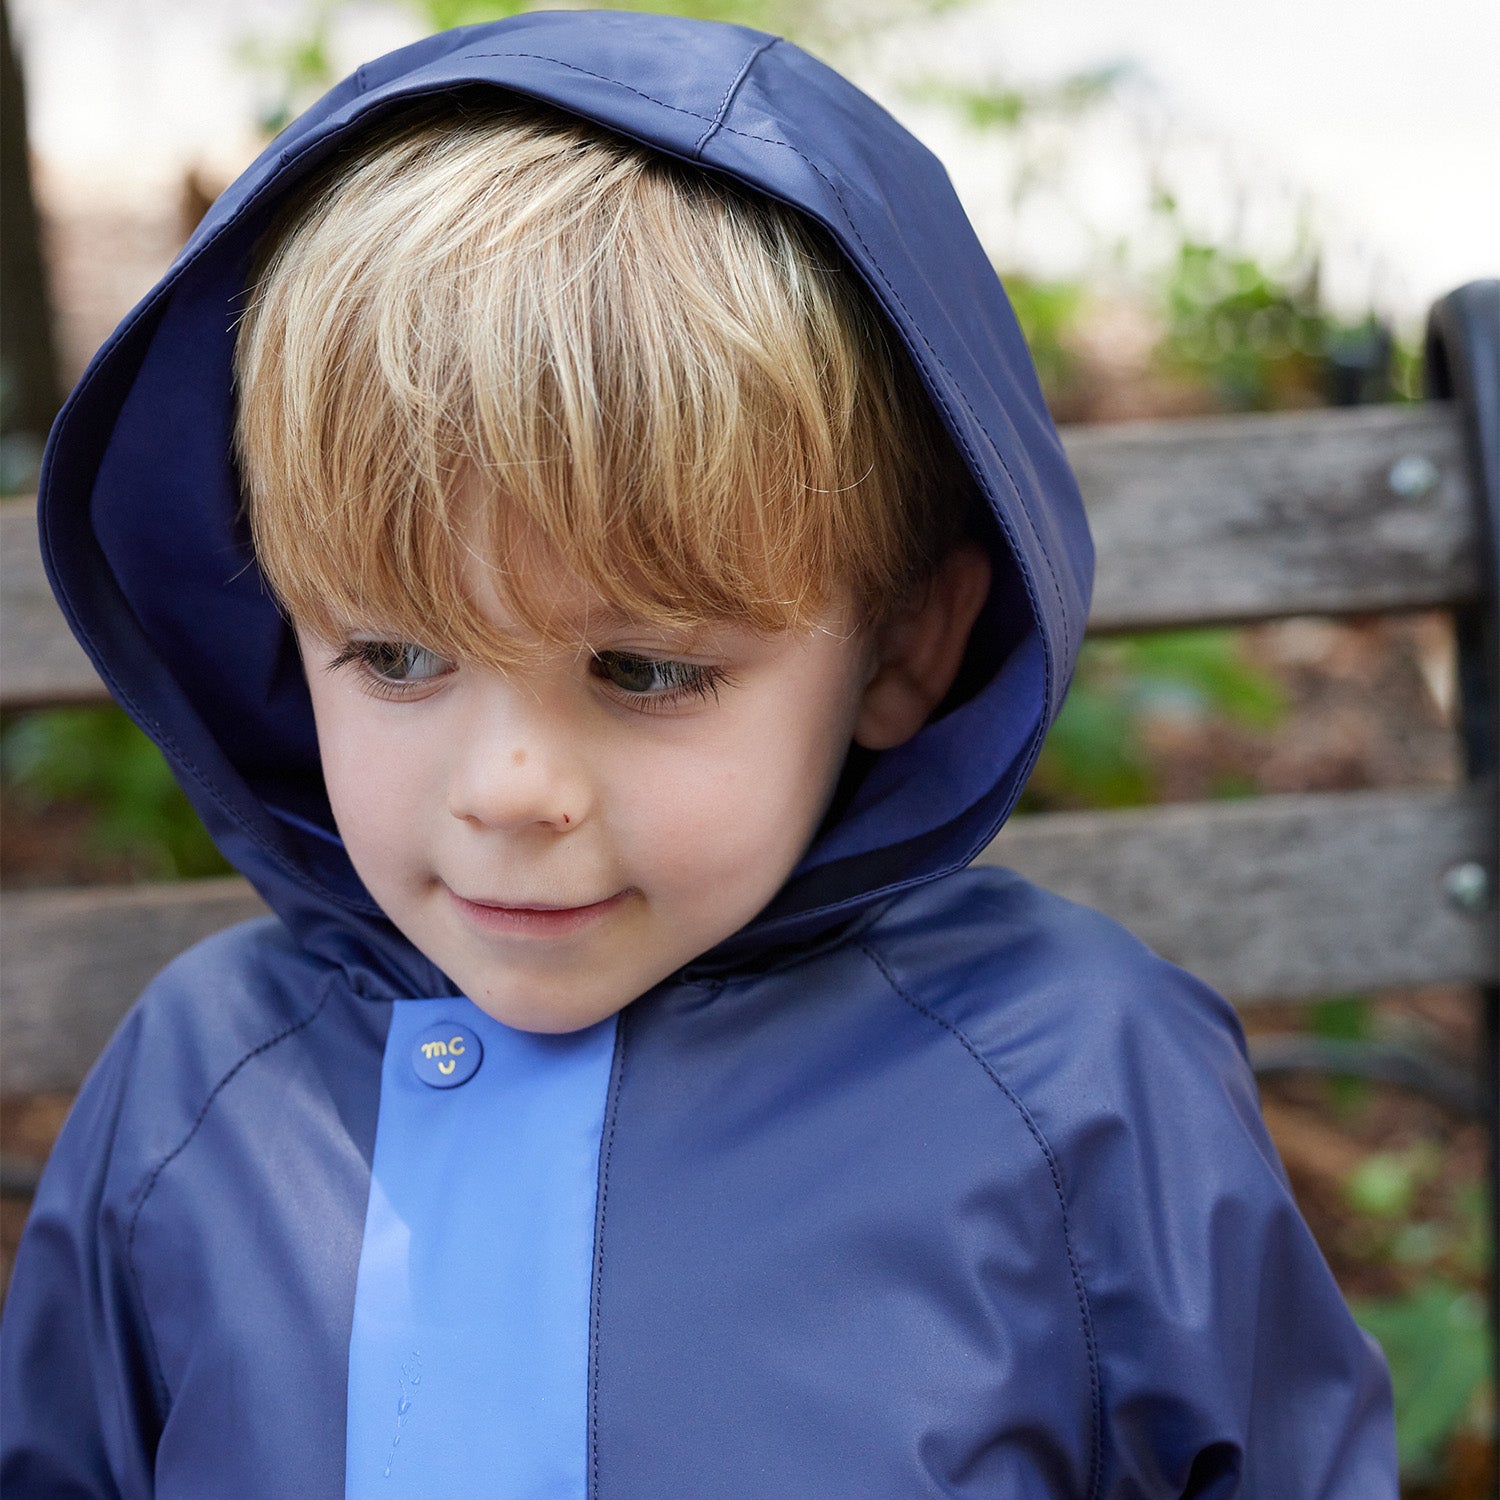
(535, 918)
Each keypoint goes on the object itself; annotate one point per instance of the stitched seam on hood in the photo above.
(1081, 1291)
(676, 109)
(937, 359)
(292, 868)
(729, 93)
(165, 740)
(50, 516)
(715, 125)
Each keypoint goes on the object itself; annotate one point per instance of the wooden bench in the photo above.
(1207, 521)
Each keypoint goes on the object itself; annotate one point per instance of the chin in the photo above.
(547, 1020)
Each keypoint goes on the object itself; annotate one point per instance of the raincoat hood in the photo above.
(929, 1186)
(140, 505)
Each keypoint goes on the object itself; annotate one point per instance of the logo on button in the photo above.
(446, 1055)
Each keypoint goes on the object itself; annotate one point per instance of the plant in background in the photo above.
(807, 21)
(97, 758)
(1436, 1340)
(1246, 323)
(295, 69)
(1343, 1019)
(1009, 106)
(1256, 339)
(1096, 754)
(1435, 1331)
(1262, 338)
(298, 67)
(1050, 313)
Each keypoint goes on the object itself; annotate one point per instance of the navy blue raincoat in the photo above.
(926, 1183)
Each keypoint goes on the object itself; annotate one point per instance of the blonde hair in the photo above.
(677, 385)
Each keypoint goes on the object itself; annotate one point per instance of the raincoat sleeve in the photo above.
(81, 1397)
(1229, 1362)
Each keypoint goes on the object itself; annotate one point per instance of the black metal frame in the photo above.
(1279, 1055)
(1463, 366)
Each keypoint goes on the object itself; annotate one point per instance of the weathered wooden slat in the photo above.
(1278, 897)
(75, 959)
(1285, 897)
(40, 662)
(1196, 521)
(1255, 517)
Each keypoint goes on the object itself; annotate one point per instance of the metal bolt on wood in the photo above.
(1467, 885)
(1412, 475)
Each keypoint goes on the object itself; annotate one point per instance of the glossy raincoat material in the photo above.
(927, 1182)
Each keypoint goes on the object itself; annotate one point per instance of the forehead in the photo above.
(526, 586)
(515, 597)
(476, 573)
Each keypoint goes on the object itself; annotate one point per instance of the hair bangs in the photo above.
(499, 337)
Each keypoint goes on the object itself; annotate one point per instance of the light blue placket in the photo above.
(468, 1358)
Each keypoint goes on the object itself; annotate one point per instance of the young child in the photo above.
(580, 519)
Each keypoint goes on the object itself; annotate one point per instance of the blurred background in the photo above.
(1195, 209)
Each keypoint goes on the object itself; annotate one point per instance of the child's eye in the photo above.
(393, 664)
(656, 681)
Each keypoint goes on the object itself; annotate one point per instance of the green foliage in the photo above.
(1435, 1333)
(443, 15)
(98, 758)
(1096, 754)
(296, 69)
(1009, 106)
(1436, 1338)
(1049, 313)
(1413, 1219)
(1255, 338)
(1261, 336)
(784, 17)
(804, 20)
(1254, 329)
(1343, 1018)
(1385, 1185)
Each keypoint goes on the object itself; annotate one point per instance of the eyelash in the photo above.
(367, 657)
(676, 681)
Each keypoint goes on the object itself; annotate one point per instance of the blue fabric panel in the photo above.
(468, 1359)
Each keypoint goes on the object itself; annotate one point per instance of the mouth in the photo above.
(535, 919)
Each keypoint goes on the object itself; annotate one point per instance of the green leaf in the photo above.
(1344, 1018)
(98, 758)
(1386, 1184)
(1382, 1185)
(1436, 1339)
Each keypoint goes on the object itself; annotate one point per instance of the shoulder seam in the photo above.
(1081, 1291)
(149, 1185)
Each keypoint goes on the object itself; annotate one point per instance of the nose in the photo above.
(519, 768)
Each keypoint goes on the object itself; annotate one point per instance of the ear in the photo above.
(918, 649)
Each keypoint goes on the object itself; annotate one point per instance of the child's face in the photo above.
(559, 839)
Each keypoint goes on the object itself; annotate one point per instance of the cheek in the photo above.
(739, 813)
(363, 808)
(374, 781)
